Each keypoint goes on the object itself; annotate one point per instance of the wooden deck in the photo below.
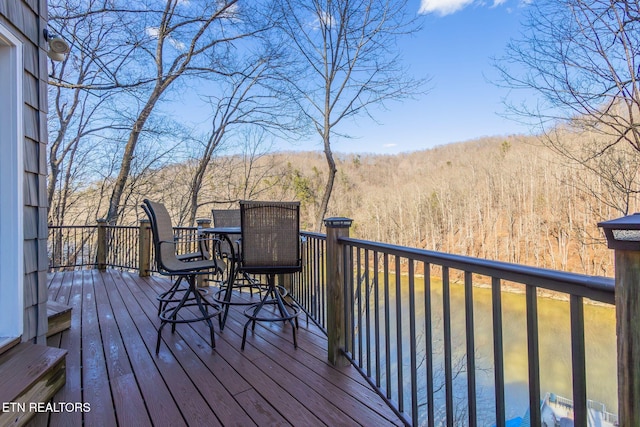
(112, 366)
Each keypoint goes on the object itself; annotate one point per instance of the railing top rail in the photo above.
(314, 235)
(71, 226)
(597, 288)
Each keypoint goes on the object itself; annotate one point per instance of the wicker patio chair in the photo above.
(227, 218)
(231, 218)
(270, 246)
(170, 265)
(173, 294)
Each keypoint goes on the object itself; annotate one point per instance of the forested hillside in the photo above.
(507, 199)
(119, 133)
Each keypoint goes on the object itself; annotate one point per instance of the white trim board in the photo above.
(11, 185)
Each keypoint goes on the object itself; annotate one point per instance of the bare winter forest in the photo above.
(506, 198)
(120, 132)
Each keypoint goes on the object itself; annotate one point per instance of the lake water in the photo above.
(554, 343)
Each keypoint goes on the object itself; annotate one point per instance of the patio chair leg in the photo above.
(244, 334)
(295, 338)
(204, 310)
(159, 337)
(170, 315)
(166, 297)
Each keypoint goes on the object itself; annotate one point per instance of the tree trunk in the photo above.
(129, 151)
(196, 185)
(324, 204)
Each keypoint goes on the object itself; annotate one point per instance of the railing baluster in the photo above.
(579, 371)
(533, 354)
(498, 354)
(351, 301)
(323, 286)
(367, 310)
(428, 339)
(376, 315)
(446, 320)
(399, 357)
(413, 350)
(318, 296)
(387, 326)
(471, 353)
(359, 292)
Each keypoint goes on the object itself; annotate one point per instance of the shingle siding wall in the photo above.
(27, 19)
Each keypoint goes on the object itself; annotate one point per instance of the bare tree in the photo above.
(246, 100)
(347, 63)
(177, 40)
(77, 113)
(581, 57)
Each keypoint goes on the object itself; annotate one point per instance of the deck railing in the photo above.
(114, 246)
(72, 246)
(309, 287)
(390, 314)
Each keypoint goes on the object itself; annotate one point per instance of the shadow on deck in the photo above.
(112, 367)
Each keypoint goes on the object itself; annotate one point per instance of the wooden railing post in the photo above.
(627, 266)
(101, 250)
(623, 235)
(144, 248)
(336, 279)
(203, 223)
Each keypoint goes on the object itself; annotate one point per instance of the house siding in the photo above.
(27, 19)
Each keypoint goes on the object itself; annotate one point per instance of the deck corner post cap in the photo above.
(101, 221)
(337, 222)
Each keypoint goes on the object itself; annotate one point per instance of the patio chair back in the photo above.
(270, 237)
(163, 237)
(227, 218)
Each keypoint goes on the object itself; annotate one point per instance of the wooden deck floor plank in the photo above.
(342, 378)
(260, 409)
(232, 352)
(70, 293)
(295, 411)
(323, 406)
(345, 401)
(270, 383)
(307, 358)
(95, 380)
(131, 411)
(314, 341)
(124, 389)
(54, 283)
(329, 382)
(196, 357)
(194, 408)
(159, 402)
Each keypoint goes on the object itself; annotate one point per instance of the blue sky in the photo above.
(454, 48)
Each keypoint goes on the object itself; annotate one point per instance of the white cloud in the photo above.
(447, 7)
(326, 20)
(177, 44)
(153, 32)
(390, 145)
(444, 7)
